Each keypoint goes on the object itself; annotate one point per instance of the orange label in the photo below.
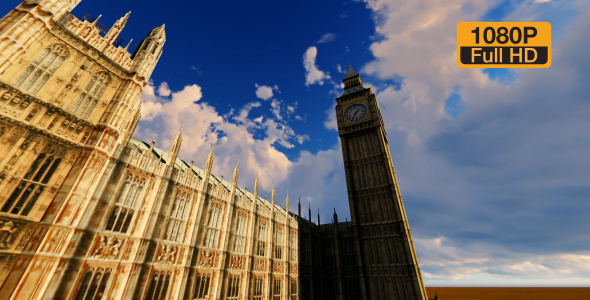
(504, 45)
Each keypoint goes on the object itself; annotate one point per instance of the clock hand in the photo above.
(356, 113)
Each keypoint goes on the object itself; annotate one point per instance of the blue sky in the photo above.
(493, 164)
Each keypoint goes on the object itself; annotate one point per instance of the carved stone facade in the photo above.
(89, 212)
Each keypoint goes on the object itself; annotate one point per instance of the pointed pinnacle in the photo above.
(129, 45)
(96, 20)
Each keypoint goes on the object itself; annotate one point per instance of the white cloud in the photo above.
(196, 69)
(441, 260)
(326, 38)
(339, 68)
(276, 108)
(343, 15)
(245, 111)
(459, 176)
(164, 90)
(233, 137)
(312, 74)
(302, 138)
(331, 122)
(265, 92)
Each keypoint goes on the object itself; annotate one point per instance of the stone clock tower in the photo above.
(386, 261)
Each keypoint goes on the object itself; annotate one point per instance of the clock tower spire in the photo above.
(382, 235)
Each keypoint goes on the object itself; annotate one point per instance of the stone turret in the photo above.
(148, 52)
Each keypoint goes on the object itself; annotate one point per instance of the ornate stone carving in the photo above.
(208, 258)
(108, 248)
(259, 264)
(7, 230)
(236, 262)
(278, 267)
(167, 254)
(294, 268)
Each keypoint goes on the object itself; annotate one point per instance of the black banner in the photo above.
(504, 55)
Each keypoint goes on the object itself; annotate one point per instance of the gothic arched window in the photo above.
(279, 243)
(261, 243)
(294, 289)
(257, 288)
(202, 286)
(178, 217)
(125, 207)
(240, 236)
(90, 95)
(26, 194)
(276, 291)
(93, 284)
(213, 226)
(233, 287)
(158, 286)
(42, 68)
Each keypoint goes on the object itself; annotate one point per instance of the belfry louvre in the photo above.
(88, 212)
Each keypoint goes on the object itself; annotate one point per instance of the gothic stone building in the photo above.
(89, 212)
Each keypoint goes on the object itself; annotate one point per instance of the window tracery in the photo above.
(158, 288)
(261, 243)
(258, 288)
(90, 95)
(126, 205)
(94, 283)
(240, 237)
(293, 289)
(276, 289)
(178, 217)
(42, 68)
(35, 181)
(202, 286)
(233, 287)
(279, 243)
(293, 246)
(213, 226)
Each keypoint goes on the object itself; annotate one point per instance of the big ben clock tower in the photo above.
(387, 262)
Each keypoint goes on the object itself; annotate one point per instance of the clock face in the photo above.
(355, 112)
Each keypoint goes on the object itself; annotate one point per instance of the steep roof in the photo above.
(350, 73)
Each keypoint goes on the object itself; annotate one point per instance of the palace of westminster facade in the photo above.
(89, 212)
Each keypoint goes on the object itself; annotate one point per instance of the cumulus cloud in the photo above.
(164, 89)
(265, 92)
(326, 38)
(276, 108)
(514, 143)
(233, 137)
(312, 74)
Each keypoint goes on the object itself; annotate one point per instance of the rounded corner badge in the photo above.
(504, 45)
